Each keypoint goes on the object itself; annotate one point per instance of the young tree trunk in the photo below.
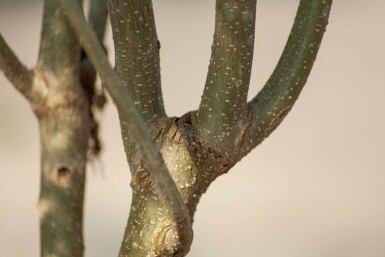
(172, 160)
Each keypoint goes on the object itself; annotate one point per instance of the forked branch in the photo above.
(278, 96)
(164, 184)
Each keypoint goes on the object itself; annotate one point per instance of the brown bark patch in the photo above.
(278, 119)
(142, 179)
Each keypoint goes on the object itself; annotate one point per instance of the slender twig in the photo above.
(222, 110)
(98, 21)
(14, 70)
(162, 179)
(277, 97)
(98, 17)
(137, 54)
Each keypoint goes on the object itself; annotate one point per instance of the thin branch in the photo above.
(98, 17)
(222, 110)
(137, 54)
(164, 184)
(97, 20)
(59, 48)
(14, 70)
(277, 97)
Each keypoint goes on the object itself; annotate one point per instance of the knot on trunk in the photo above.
(171, 244)
(141, 179)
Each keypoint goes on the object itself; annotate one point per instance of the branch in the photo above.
(14, 70)
(222, 110)
(164, 184)
(98, 17)
(59, 48)
(97, 20)
(137, 54)
(64, 132)
(278, 96)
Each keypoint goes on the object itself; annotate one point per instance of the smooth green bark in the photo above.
(64, 123)
(64, 132)
(59, 48)
(14, 70)
(137, 54)
(98, 17)
(223, 107)
(276, 99)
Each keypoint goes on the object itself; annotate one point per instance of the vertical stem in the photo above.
(137, 54)
(98, 21)
(64, 122)
(98, 17)
(222, 110)
(64, 133)
(59, 48)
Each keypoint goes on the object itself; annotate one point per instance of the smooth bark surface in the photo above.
(223, 107)
(59, 48)
(64, 131)
(137, 54)
(276, 99)
(14, 70)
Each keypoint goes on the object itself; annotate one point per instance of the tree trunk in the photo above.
(172, 160)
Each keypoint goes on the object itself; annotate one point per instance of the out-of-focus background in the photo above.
(315, 187)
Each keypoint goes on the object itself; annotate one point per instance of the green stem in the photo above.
(64, 132)
(278, 96)
(59, 48)
(222, 110)
(98, 20)
(64, 123)
(98, 17)
(14, 70)
(137, 54)
(164, 184)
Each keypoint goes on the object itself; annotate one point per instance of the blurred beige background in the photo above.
(316, 187)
